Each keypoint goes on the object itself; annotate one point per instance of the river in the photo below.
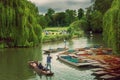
(13, 61)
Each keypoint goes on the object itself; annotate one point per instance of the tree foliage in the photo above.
(80, 13)
(102, 5)
(96, 21)
(42, 21)
(49, 16)
(89, 17)
(77, 27)
(94, 14)
(19, 23)
(70, 16)
(59, 19)
(111, 26)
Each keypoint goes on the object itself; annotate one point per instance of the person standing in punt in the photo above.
(49, 62)
(64, 43)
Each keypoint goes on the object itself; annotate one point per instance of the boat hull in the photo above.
(34, 66)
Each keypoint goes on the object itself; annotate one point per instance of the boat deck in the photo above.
(84, 63)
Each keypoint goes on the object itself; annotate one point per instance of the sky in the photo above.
(60, 5)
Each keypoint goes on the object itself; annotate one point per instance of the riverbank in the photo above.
(51, 38)
(58, 34)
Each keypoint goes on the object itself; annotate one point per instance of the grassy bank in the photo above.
(56, 28)
(55, 38)
(58, 34)
(55, 34)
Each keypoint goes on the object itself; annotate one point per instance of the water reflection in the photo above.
(70, 44)
(14, 63)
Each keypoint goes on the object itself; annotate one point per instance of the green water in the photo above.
(13, 62)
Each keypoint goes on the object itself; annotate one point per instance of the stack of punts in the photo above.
(88, 51)
(109, 77)
(108, 64)
(54, 50)
(110, 60)
(93, 51)
(96, 50)
(81, 54)
(112, 69)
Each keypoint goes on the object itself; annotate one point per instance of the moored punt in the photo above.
(107, 77)
(115, 74)
(97, 69)
(73, 61)
(111, 68)
(99, 73)
(34, 66)
(95, 50)
(49, 51)
(88, 51)
(54, 50)
(111, 76)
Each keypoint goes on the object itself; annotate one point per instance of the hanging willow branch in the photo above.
(19, 24)
(111, 26)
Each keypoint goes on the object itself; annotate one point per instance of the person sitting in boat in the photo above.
(33, 64)
(40, 66)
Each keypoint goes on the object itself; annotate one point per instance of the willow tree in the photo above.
(102, 5)
(111, 26)
(19, 23)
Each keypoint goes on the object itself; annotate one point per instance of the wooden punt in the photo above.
(34, 66)
(97, 69)
(54, 50)
(77, 64)
(111, 76)
(115, 68)
(99, 73)
(50, 51)
(107, 77)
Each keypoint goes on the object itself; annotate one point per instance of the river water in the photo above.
(13, 61)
